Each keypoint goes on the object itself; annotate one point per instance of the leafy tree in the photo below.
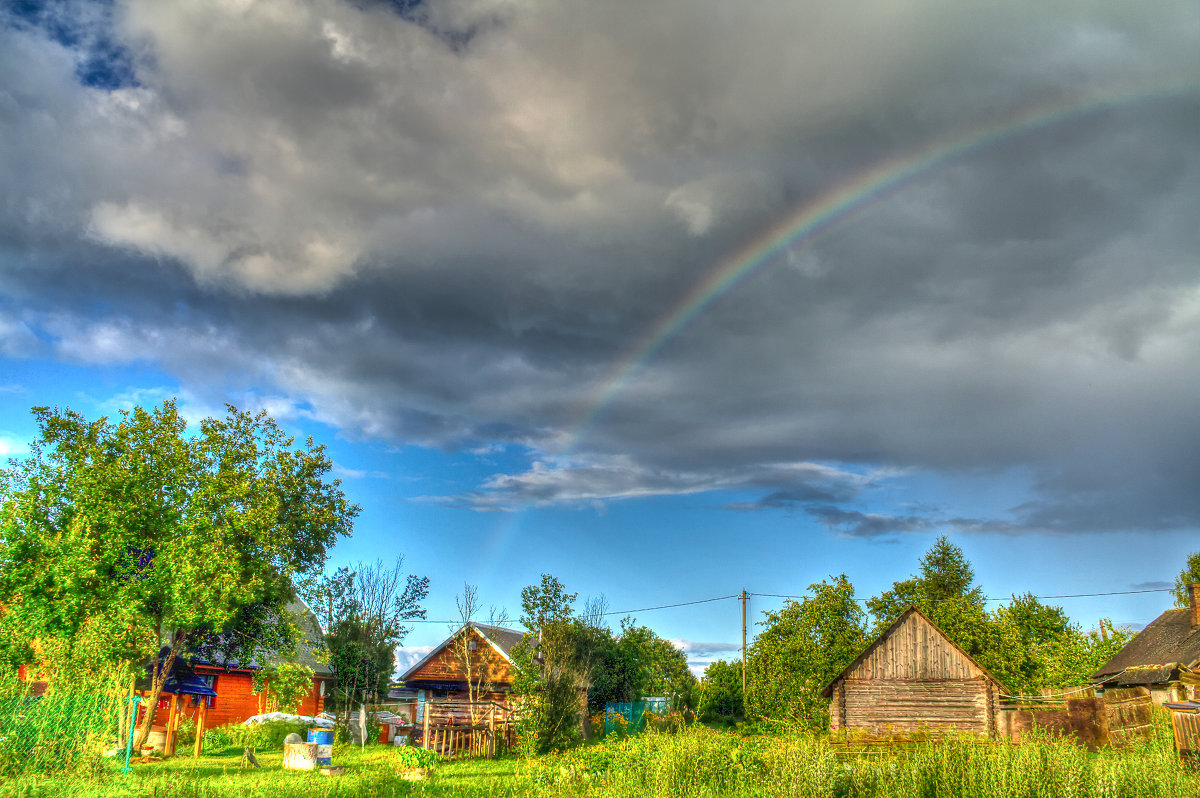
(1074, 658)
(548, 676)
(639, 663)
(554, 663)
(1029, 639)
(1189, 575)
(721, 692)
(800, 650)
(128, 541)
(946, 592)
(363, 614)
(548, 601)
(281, 687)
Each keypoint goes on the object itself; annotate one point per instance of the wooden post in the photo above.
(200, 718)
(491, 731)
(745, 596)
(425, 731)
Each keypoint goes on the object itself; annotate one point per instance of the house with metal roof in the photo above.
(1164, 657)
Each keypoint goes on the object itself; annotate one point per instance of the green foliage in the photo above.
(409, 756)
(1190, 574)
(285, 685)
(721, 693)
(1025, 644)
(549, 680)
(363, 614)
(118, 537)
(800, 650)
(638, 663)
(64, 731)
(548, 601)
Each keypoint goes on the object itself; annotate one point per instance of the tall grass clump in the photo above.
(63, 731)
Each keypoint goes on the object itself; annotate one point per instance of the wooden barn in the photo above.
(914, 676)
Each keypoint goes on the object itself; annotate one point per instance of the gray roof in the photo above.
(307, 647)
(1167, 643)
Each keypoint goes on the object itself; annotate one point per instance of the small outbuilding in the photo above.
(912, 677)
(1164, 657)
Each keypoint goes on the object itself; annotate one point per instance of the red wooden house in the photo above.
(232, 681)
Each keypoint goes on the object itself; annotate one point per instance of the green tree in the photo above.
(946, 592)
(363, 613)
(555, 663)
(1028, 643)
(800, 650)
(131, 540)
(638, 664)
(1072, 660)
(1190, 574)
(721, 693)
(548, 601)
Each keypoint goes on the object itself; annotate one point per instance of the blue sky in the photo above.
(664, 303)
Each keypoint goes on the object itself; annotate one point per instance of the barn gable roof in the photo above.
(1158, 650)
(827, 691)
(498, 637)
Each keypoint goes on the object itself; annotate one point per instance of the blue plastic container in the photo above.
(324, 740)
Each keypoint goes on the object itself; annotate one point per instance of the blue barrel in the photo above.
(324, 740)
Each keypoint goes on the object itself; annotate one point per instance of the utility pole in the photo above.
(745, 596)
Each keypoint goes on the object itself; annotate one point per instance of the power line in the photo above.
(1006, 598)
(668, 606)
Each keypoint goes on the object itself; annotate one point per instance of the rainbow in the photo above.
(836, 207)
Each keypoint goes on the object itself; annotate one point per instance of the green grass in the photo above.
(696, 762)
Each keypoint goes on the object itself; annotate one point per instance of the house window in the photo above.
(209, 700)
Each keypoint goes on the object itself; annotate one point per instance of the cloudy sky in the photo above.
(667, 298)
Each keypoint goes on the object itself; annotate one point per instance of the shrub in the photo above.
(409, 756)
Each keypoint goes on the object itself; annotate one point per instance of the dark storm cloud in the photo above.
(447, 224)
(868, 525)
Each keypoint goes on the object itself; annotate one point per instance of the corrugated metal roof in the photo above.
(1169, 641)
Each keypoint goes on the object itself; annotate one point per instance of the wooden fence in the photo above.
(455, 729)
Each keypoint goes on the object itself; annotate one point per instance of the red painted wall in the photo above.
(235, 702)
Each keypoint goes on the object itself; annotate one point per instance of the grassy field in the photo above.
(696, 762)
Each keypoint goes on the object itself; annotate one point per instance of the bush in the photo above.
(409, 756)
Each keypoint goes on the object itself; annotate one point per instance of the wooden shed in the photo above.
(1164, 657)
(914, 676)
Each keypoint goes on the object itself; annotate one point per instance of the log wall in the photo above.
(878, 705)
